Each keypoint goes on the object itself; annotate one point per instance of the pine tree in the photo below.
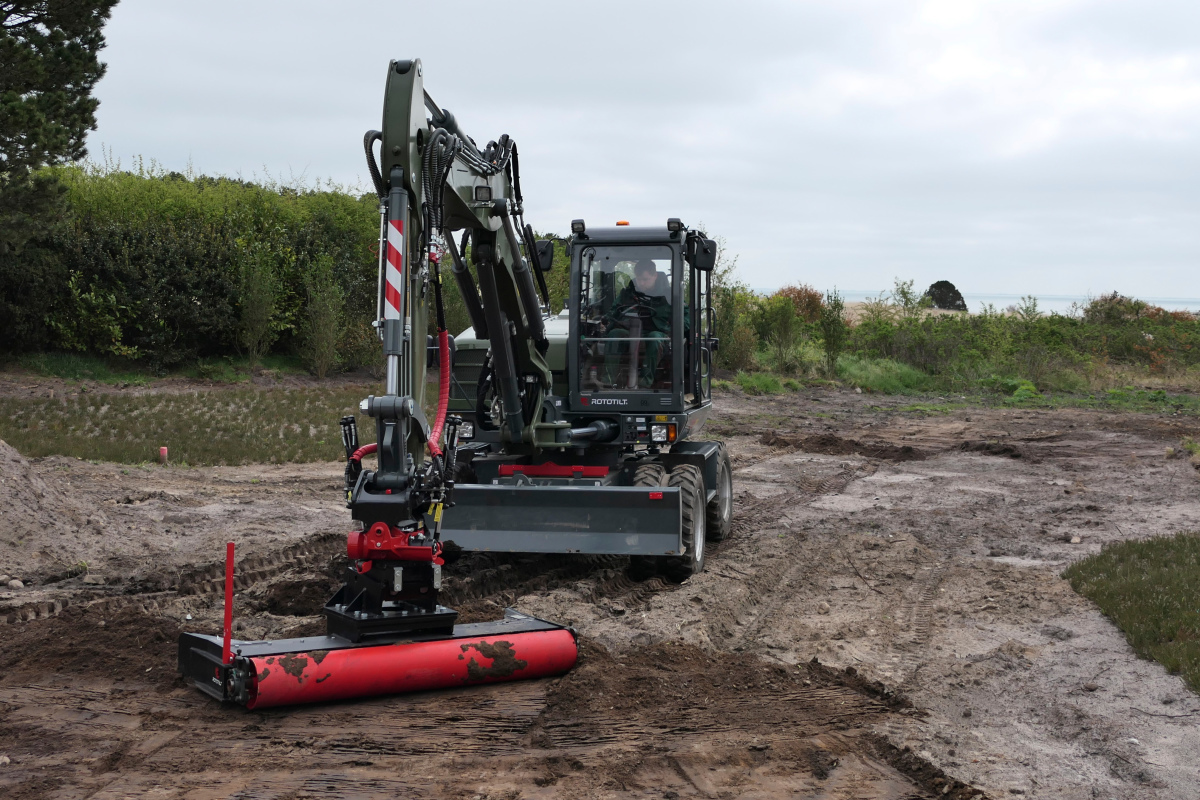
(48, 68)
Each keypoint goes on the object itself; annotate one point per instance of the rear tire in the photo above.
(690, 482)
(720, 510)
(650, 473)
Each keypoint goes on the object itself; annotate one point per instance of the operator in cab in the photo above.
(641, 315)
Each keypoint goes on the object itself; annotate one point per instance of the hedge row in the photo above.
(149, 265)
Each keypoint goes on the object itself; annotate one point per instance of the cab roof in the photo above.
(621, 234)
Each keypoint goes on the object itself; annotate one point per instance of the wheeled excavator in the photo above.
(573, 432)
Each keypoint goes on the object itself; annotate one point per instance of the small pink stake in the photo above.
(226, 650)
(162, 455)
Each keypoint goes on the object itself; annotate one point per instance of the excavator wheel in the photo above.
(690, 482)
(649, 474)
(720, 509)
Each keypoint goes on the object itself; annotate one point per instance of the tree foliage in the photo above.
(806, 300)
(153, 265)
(48, 50)
(945, 295)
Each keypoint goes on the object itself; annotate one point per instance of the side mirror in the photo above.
(545, 253)
(704, 254)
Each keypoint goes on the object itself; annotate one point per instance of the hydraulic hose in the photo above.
(435, 449)
(369, 139)
(539, 269)
(503, 365)
(466, 287)
(365, 450)
(600, 430)
(525, 290)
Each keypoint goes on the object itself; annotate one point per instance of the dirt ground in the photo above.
(887, 620)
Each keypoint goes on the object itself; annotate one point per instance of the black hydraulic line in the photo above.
(440, 152)
(369, 139)
(483, 414)
(442, 118)
(600, 430)
(515, 175)
(503, 366)
(466, 287)
(539, 269)
(529, 300)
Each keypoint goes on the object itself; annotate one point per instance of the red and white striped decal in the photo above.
(394, 273)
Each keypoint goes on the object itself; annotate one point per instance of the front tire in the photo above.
(690, 482)
(720, 510)
(650, 473)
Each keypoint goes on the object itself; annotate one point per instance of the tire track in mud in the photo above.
(906, 653)
(766, 588)
(256, 569)
(156, 592)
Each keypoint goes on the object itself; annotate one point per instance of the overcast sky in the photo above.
(1048, 147)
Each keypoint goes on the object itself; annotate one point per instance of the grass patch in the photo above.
(220, 426)
(882, 375)
(929, 409)
(1127, 399)
(80, 367)
(759, 383)
(1151, 591)
(217, 370)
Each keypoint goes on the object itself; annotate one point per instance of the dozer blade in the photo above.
(600, 520)
(314, 669)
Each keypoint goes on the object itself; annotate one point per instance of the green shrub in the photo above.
(260, 290)
(147, 264)
(833, 327)
(322, 325)
(1025, 391)
(779, 328)
(881, 375)
(806, 300)
(734, 311)
(759, 383)
(360, 347)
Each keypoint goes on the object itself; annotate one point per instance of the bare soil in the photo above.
(887, 620)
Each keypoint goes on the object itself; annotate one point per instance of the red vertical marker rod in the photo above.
(226, 649)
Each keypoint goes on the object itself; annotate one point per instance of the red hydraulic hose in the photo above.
(443, 402)
(365, 450)
(443, 392)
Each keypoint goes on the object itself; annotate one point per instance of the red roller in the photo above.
(326, 675)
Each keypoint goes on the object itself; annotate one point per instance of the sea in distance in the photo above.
(1046, 303)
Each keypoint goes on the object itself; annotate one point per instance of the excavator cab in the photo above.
(626, 319)
(640, 315)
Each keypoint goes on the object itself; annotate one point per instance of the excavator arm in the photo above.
(441, 195)
(435, 184)
(386, 630)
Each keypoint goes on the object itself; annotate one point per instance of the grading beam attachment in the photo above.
(318, 669)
